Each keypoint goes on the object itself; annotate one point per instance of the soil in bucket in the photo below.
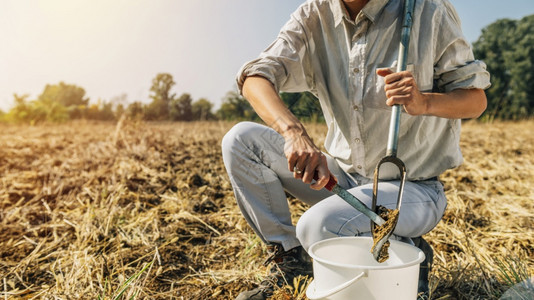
(379, 232)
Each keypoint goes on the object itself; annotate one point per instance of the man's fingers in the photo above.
(400, 100)
(310, 165)
(400, 91)
(291, 160)
(383, 72)
(297, 161)
(309, 172)
(322, 179)
(390, 76)
(319, 184)
(396, 84)
(321, 174)
(300, 166)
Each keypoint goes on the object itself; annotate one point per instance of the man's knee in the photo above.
(246, 137)
(331, 217)
(311, 228)
(234, 135)
(235, 140)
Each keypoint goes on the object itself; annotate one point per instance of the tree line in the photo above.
(61, 102)
(506, 46)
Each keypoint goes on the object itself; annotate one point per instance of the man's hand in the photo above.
(305, 159)
(402, 89)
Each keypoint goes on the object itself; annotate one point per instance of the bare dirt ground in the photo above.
(84, 207)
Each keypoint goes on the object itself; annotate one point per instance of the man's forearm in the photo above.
(304, 158)
(458, 104)
(268, 105)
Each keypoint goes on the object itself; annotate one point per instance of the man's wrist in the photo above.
(290, 129)
(428, 99)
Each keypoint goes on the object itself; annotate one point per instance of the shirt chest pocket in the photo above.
(375, 95)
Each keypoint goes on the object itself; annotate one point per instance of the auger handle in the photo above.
(394, 124)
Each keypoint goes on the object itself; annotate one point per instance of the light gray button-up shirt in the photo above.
(320, 49)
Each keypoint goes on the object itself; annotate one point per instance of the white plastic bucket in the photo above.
(344, 268)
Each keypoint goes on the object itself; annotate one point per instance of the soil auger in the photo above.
(382, 233)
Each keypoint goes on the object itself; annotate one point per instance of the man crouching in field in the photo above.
(342, 51)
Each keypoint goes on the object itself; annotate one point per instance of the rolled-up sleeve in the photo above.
(456, 67)
(285, 63)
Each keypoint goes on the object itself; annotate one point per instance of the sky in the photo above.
(113, 48)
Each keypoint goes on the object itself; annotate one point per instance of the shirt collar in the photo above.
(371, 10)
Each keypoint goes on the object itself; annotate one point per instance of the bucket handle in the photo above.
(336, 289)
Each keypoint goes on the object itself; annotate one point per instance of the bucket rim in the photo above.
(418, 260)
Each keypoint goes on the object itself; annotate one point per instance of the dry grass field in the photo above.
(146, 211)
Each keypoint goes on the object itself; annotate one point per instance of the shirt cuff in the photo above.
(256, 68)
(471, 76)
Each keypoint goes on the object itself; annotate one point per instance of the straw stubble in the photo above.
(85, 206)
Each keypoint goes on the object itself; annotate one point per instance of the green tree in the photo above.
(49, 111)
(135, 111)
(119, 103)
(181, 108)
(102, 110)
(161, 97)
(523, 72)
(119, 111)
(22, 110)
(36, 111)
(201, 110)
(70, 96)
(507, 47)
(304, 106)
(235, 107)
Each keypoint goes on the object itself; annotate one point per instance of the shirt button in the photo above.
(356, 70)
(357, 140)
(359, 167)
(355, 107)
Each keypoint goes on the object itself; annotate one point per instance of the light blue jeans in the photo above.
(254, 158)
